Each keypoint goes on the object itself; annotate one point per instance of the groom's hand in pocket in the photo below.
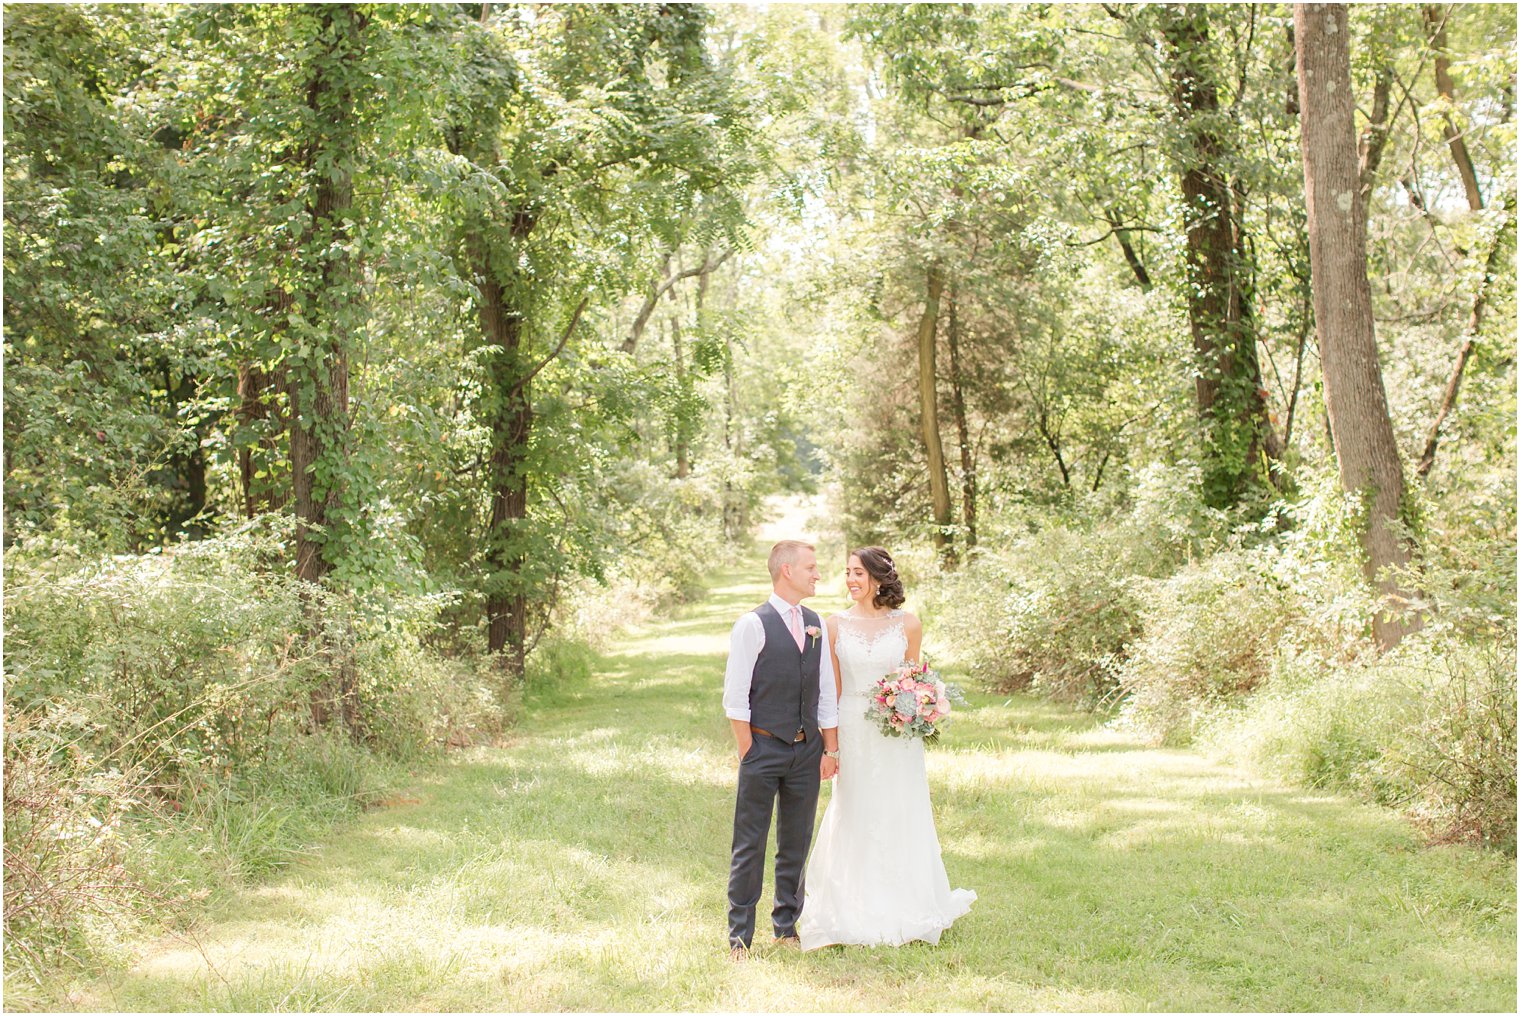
(744, 738)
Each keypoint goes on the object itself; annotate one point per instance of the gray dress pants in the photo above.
(781, 777)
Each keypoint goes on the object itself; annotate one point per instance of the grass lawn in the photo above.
(583, 866)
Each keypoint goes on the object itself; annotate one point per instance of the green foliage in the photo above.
(1253, 641)
(1057, 609)
(159, 728)
(446, 218)
(1110, 876)
(1210, 634)
(1046, 614)
(101, 389)
(1429, 729)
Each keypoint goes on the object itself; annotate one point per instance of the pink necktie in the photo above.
(795, 614)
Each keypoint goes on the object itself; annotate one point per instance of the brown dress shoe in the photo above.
(738, 954)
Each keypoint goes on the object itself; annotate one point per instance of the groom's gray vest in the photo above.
(783, 693)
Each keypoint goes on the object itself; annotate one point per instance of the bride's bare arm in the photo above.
(914, 629)
(833, 622)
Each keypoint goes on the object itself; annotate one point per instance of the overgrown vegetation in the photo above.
(341, 413)
(1253, 642)
(344, 414)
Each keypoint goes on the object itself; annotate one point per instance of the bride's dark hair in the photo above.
(878, 564)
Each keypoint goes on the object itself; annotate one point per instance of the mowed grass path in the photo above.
(583, 866)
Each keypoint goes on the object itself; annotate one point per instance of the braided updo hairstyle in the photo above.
(878, 564)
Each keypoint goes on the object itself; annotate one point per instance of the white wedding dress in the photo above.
(875, 876)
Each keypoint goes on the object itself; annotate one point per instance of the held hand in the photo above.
(828, 768)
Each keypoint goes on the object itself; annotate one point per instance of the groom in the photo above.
(779, 694)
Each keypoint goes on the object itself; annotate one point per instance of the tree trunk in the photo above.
(503, 302)
(1053, 442)
(316, 382)
(186, 468)
(962, 429)
(1358, 407)
(734, 514)
(1374, 138)
(663, 286)
(683, 426)
(508, 411)
(256, 391)
(939, 486)
(647, 308)
(317, 387)
(1435, 27)
(1464, 353)
(1231, 403)
(1127, 246)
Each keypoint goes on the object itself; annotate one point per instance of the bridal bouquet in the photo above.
(911, 701)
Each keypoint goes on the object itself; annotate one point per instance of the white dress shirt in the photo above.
(744, 646)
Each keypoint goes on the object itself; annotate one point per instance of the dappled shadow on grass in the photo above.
(1246, 895)
(1173, 884)
(585, 867)
(582, 841)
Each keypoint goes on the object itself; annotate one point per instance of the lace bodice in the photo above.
(868, 648)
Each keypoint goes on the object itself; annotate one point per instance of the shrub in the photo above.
(1460, 751)
(63, 851)
(1210, 634)
(160, 733)
(1166, 523)
(1429, 728)
(1050, 615)
(672, 530)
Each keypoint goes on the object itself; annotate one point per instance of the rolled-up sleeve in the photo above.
(828, 694)
(744, 645)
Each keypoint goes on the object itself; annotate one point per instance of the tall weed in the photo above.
(1428, 728)
(160, 733)
(1209, 635)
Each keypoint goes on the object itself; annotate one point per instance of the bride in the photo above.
(875, 876)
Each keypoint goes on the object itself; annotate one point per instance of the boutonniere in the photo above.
(813, 633)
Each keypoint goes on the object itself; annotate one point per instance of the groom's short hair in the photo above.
(785, 552)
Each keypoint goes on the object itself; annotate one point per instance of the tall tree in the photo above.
(1436, 17)
(319, 310)
(317, 315)
(1231, 401)
(962, 426)
(1365, 448)
(588, 147)
(928, 413)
